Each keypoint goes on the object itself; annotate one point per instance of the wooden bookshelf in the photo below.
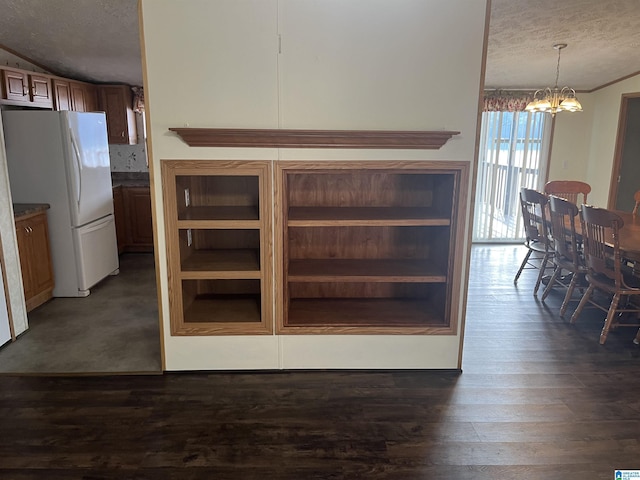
(369, 247)
(218, 228)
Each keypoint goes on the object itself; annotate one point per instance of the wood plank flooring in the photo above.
(538, 399)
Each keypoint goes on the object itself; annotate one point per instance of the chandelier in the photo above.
(553, 100)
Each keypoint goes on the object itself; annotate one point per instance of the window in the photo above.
(514, 150)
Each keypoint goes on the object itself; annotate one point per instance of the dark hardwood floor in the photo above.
(538, 399)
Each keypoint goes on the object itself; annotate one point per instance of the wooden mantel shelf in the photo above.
(281, 138)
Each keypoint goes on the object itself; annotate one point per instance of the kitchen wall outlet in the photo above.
(187, 200)
(189, 238)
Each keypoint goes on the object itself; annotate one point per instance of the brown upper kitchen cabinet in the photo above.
(83, 97)
(62, 94)
(74, 96)
(117, 102)
(20, 87)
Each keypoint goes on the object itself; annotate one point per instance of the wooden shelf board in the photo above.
(220, 309)
(219, 213)
(240, 260)
(364, 216)
(219, 224)
(287, 138)
(374, 312)
(218, 275)
(365, 270)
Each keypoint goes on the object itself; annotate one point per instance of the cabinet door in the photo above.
(24, 249)
(78, 102)
(40, 89)
(62, 95)
(90, 98)
(42, 274)
(15, 85)
(35, 260)
(140, 225)
(116, 101)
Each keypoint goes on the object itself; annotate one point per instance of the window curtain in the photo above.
(506, 101)
(138, 99)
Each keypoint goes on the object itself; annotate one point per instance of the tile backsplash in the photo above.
(128, 158)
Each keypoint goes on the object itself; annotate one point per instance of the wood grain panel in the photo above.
(368, 290)
(363, 188)
(222, 261)
(369, 242)
(380, 313)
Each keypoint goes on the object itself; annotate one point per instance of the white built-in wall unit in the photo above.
(402, 65)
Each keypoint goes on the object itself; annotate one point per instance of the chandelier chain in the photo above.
(558, 67)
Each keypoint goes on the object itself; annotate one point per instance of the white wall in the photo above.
(571, 145)
(603, 136)
(344, 64)
(587, 140)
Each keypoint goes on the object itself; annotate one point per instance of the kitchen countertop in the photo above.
(130, 179)
(24, 209)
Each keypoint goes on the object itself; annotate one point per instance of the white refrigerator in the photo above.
(62, 158)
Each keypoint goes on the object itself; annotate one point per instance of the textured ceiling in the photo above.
(97, 40)
(93, 40)
(603, 38)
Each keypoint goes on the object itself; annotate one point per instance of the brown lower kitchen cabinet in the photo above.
(369, 247)
(134, 225)
(119, 217)
(218, 233)
(35, 258)
(137, 204)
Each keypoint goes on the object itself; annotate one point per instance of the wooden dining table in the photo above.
(629, 236)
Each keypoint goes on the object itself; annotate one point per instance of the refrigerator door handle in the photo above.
(78, 169)
(99, 225)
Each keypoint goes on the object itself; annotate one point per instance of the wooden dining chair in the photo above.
(636, 197)
(571, 190)
(534, 206)
(600, 235)
(567, 249)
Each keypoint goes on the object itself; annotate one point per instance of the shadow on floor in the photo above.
(115, 329)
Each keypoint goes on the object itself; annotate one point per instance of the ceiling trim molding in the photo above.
(613, 82)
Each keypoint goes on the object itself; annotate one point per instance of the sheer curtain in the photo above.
(514, 147)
